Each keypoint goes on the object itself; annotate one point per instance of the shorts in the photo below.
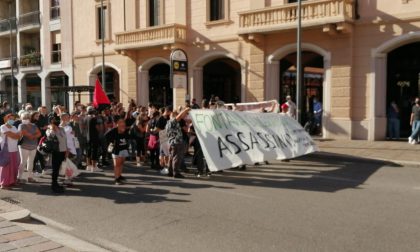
(121, 154)
(164, 149)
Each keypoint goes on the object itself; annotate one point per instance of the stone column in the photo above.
(143, 87)
(377, 131)
(272, 81)
(197, 84)
(21, 90)
(46, 91)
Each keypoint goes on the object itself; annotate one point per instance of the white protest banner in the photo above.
(254, 106)
(232, 138)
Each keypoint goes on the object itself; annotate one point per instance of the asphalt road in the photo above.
(318, 203)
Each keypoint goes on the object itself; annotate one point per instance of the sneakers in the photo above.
(68, 182)
(31, 180)
(410, 140)
(138, 165)
(122, 179)
(118, 181)
(89, 168)
(96, 169)
(47, 172)
(57, 189)
(179, 175)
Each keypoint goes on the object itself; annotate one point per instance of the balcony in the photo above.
(30, 22)
(332, 15)
(153, 36)
(5, 64)
(5, 26)
(30, 62)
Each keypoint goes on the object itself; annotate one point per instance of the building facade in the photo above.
(358, 55)
(37, 35)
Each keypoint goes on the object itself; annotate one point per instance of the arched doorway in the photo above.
(222, 78)
(403, 81)
(112, 83)
(160, 91)
(313, 79)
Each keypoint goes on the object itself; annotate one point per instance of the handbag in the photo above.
(4, 154)
(153, 143)
(69, 169)
(111, 148)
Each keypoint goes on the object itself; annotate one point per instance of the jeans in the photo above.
(416, 130)
(394, 128)
(26, 161)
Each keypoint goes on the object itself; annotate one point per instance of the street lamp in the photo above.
(103, 43)
(299, 64)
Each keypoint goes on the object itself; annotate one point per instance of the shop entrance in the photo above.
(403, 78)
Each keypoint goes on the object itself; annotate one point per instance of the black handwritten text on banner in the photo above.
(232, 138)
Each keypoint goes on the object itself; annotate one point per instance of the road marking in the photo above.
(52, 223)
(226, 191)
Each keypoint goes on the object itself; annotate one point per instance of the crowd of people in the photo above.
(39, 141)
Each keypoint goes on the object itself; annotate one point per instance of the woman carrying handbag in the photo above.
(9, 148)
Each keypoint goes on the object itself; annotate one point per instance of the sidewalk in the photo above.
(18, 232)
(399, 152)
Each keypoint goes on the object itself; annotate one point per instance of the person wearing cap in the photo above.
(285, 109)
(291, 107)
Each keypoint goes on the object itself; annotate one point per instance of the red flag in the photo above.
(99, 96)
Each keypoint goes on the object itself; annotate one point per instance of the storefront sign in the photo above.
(231, 138)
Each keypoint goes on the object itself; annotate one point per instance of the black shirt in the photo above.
(120, 140)
(153, 124)
(416, 112)
(92, 131)
(161, 123)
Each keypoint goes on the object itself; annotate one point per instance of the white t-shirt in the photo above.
(70, 139)
(12, 144)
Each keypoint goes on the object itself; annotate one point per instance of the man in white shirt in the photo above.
(292, 107)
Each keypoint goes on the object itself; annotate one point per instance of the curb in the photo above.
(377, 159)
(12, 212)
(22, 217)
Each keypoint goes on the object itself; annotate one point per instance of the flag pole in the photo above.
(12, 79)
(103, 43)
(299, 64)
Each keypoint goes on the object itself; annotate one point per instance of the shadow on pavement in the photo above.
(323, 173)
(140, 187)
